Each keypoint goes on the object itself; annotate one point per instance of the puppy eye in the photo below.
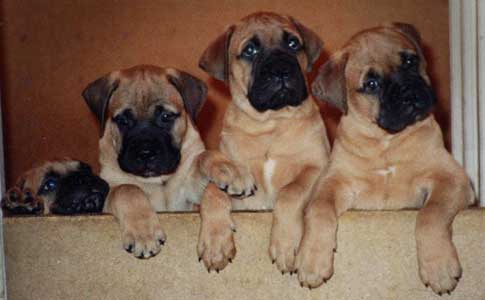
(167, 116)
(294, 43)
(164, 116)
(250, 50)
(371, 85)
(49, 185)
(124, 120)
(409, 61)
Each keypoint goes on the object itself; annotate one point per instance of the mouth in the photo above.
(395, 123)
(405, 100)
(160, 158)
(147, 174)
(278, 82)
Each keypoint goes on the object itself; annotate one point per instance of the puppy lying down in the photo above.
(57, 187)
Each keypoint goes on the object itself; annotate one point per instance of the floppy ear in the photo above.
(411, 33)
(192, 89)
(215, 58)
(97, 95)
(330, 85)
(409, 30)
(83, 166)
(312, 44)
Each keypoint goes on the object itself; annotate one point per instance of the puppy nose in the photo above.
(146, 154)
(281, 71)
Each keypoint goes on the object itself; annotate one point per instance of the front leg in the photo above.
(439, 266)
(315, 257)
(287, 228)
(216, 237)
(141, 232)
(230, 177)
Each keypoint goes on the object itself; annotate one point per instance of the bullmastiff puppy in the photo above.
(388, 154)
(151, 154)
(57, 187)
(272, 126)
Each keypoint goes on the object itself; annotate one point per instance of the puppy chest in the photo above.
(264, 172)
(269, 167)
(386, 188)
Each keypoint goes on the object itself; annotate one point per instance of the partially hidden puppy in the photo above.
(58, 187)
(151, 154)
(272, 126)
(388, 154)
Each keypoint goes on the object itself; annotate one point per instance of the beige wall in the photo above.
(52, 49)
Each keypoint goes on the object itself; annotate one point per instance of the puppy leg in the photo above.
(234, 179)
(314, 261)
(287, 228)
(438, 262)
(216, 237)
(141, 232)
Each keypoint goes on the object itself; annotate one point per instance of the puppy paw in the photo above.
(143, 236)
(17, 201)
(314, 262)
(284, 246)
(439, 267)
(216, 246)
(235, 180)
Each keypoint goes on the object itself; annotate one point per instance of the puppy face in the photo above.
(62, 187)
(144, 112)
(379, 75)
(262, 59)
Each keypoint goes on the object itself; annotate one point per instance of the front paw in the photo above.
(439, 267)
(143, 236)
(284, 246)
(314, 262)
(216, 246)
(20, 202)
(235, 180)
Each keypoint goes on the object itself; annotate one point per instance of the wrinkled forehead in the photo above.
(143, 91)
(33, 178)
(380, 50)
(268, 29)
(63, 167)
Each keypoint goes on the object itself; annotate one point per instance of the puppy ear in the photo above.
(192, 89)
(409, 30)
(97, 95)
(85, 167)
(215, 58)
(312, 44)
(330, 85)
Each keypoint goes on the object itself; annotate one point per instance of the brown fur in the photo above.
(32, 180)
(286, 150)
(371, 169)
(133, 200)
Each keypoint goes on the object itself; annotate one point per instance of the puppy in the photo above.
(151, 154)
(388, 154)
(58, 187)
(272, 126)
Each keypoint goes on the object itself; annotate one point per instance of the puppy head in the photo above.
(381, 76)
(263, 59)
(62, 187)
(144, 112)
